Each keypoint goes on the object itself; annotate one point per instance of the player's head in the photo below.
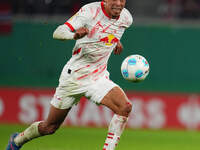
(114, 7)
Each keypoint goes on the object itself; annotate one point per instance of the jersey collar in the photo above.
(104, 11)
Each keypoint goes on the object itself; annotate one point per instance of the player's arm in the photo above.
(64, 33)
(74, 28)
(118, 49)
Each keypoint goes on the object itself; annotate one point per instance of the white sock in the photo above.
(115, 130)
(30, 133)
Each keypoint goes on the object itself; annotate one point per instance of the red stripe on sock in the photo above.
(106, 144)
(110, 137)
(111, 133)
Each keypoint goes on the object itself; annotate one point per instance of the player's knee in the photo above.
(126, 109)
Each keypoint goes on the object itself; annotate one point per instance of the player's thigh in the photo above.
(117, 101)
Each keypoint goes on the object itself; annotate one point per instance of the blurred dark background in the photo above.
(166, 32)
(153, 8)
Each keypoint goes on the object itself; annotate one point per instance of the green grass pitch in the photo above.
(74, 138)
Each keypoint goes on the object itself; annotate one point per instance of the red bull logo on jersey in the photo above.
(109, 40)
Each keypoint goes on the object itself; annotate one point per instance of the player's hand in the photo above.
(118, 49)
(81, 32)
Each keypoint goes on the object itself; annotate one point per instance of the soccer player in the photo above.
(97, 28)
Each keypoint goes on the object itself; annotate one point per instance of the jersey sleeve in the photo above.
(128, 19)
(80, 19)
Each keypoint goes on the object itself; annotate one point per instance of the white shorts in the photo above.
(69, 92)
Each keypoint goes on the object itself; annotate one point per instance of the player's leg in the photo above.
(49, 126)
(107, 93)
(118, 102)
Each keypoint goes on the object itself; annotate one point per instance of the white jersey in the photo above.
(91, 53)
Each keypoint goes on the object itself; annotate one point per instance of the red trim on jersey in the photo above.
(97, 12)
(101, 70)
(104, 11)
(82, 68)
(70, 26)
(94, 72)
(77, 51)
(86, 75)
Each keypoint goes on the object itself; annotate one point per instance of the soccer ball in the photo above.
(135, 68)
